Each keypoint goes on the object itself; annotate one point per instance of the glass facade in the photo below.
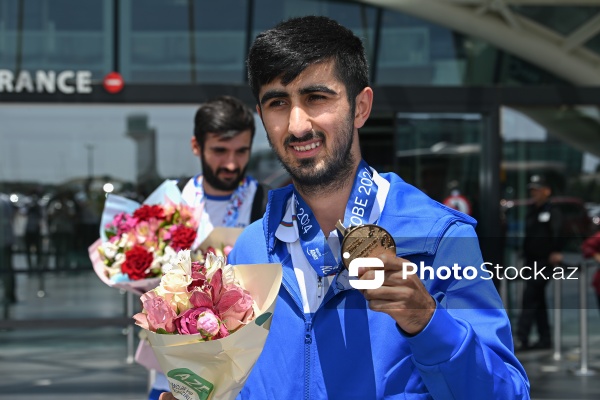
(195, 42)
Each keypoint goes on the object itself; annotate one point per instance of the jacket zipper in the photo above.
(320, 286)
(307, 344)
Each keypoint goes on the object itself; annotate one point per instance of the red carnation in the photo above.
(137, 262)
(145, 212)
(182, 237)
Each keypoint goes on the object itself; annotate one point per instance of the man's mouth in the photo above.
(228, 174)
(307, 147)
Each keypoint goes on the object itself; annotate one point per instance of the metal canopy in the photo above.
(497, 22)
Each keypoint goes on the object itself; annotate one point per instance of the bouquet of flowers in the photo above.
(136, 240)
(207, 323)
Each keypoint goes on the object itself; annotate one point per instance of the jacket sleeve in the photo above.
(466, 350)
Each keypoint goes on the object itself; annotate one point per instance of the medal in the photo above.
(367, 240)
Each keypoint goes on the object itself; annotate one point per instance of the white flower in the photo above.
(229, 275)
(184, 261)
(110, 250)
(213, 263)
(166, 261)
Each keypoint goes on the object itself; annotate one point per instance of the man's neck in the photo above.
(329, 206)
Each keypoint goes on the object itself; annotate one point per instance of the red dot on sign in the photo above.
(113, 82)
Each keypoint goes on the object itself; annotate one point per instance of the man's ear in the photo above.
(195, 147)
(258, 111)
(364, 103)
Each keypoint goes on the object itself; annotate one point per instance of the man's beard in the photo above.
(339, 164)
(212, 177)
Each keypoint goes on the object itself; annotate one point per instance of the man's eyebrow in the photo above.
(317, 88)
(271, 94)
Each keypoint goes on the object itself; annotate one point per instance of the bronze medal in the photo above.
(364, 241)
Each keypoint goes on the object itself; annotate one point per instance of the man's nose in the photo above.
(230, 162)
(299, 124)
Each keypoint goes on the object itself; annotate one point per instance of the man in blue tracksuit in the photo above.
(445, 336)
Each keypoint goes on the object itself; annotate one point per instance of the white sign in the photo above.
(67, 82)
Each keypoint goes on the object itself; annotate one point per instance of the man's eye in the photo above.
(219, 151)
(276, 103)
(316, 97)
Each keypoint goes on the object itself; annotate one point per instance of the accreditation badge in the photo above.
(544, 216)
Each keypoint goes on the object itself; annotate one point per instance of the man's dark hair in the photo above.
(293, 45)
(225, 116)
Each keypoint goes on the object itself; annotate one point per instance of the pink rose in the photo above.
(159, 314)
(235, 307)
(200, 320)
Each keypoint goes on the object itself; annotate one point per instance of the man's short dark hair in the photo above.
(290, 47)
(225, 116)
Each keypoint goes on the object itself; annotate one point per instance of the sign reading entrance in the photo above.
(67, 82)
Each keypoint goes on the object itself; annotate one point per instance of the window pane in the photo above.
(173, 41)
(56, 35)
(359, 18)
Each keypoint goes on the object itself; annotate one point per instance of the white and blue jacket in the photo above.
(346, 351)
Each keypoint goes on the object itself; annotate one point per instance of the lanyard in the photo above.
(237, 199)
(358, 209)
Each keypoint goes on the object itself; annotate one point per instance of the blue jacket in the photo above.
(346, 351)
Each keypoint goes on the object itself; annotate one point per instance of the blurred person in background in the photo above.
(542, 248)
(224, 129)
(33, 231)
(62, 219)
(591, 249)
(7, 240)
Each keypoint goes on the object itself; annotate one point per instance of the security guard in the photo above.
(541, 248)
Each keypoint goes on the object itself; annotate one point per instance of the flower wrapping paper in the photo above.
(218, 369)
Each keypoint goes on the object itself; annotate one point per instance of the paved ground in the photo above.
(85, 355)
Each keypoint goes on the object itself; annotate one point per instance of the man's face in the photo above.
(224, 161)
(310, 126)
(539, 195)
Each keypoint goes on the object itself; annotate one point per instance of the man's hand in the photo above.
(167, 396)
(405, 300)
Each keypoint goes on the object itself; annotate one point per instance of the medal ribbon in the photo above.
(358, 209)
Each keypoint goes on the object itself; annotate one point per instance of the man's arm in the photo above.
(464, 348)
